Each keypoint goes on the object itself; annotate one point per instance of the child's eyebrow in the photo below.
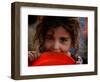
(65, 38)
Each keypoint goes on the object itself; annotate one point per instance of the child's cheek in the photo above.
(48, 46)
(65, 48)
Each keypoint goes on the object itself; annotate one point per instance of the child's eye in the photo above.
(49, 39)
(63, 40)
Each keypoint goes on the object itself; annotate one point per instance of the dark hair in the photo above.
(70, 24)
(31, 19)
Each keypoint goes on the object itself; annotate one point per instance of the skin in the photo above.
(58, 40)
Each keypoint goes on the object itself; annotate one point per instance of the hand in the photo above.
(31, 57)
(80, 60)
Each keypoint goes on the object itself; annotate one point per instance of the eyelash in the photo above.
(49, 39)
(63, 40)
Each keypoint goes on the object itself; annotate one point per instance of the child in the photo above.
(57, 34)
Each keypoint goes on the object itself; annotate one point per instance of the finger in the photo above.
(31, 56)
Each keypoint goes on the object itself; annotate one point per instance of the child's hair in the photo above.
(70, 24)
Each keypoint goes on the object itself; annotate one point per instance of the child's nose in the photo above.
(56, 46)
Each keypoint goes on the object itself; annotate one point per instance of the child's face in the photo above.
(57, 40)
